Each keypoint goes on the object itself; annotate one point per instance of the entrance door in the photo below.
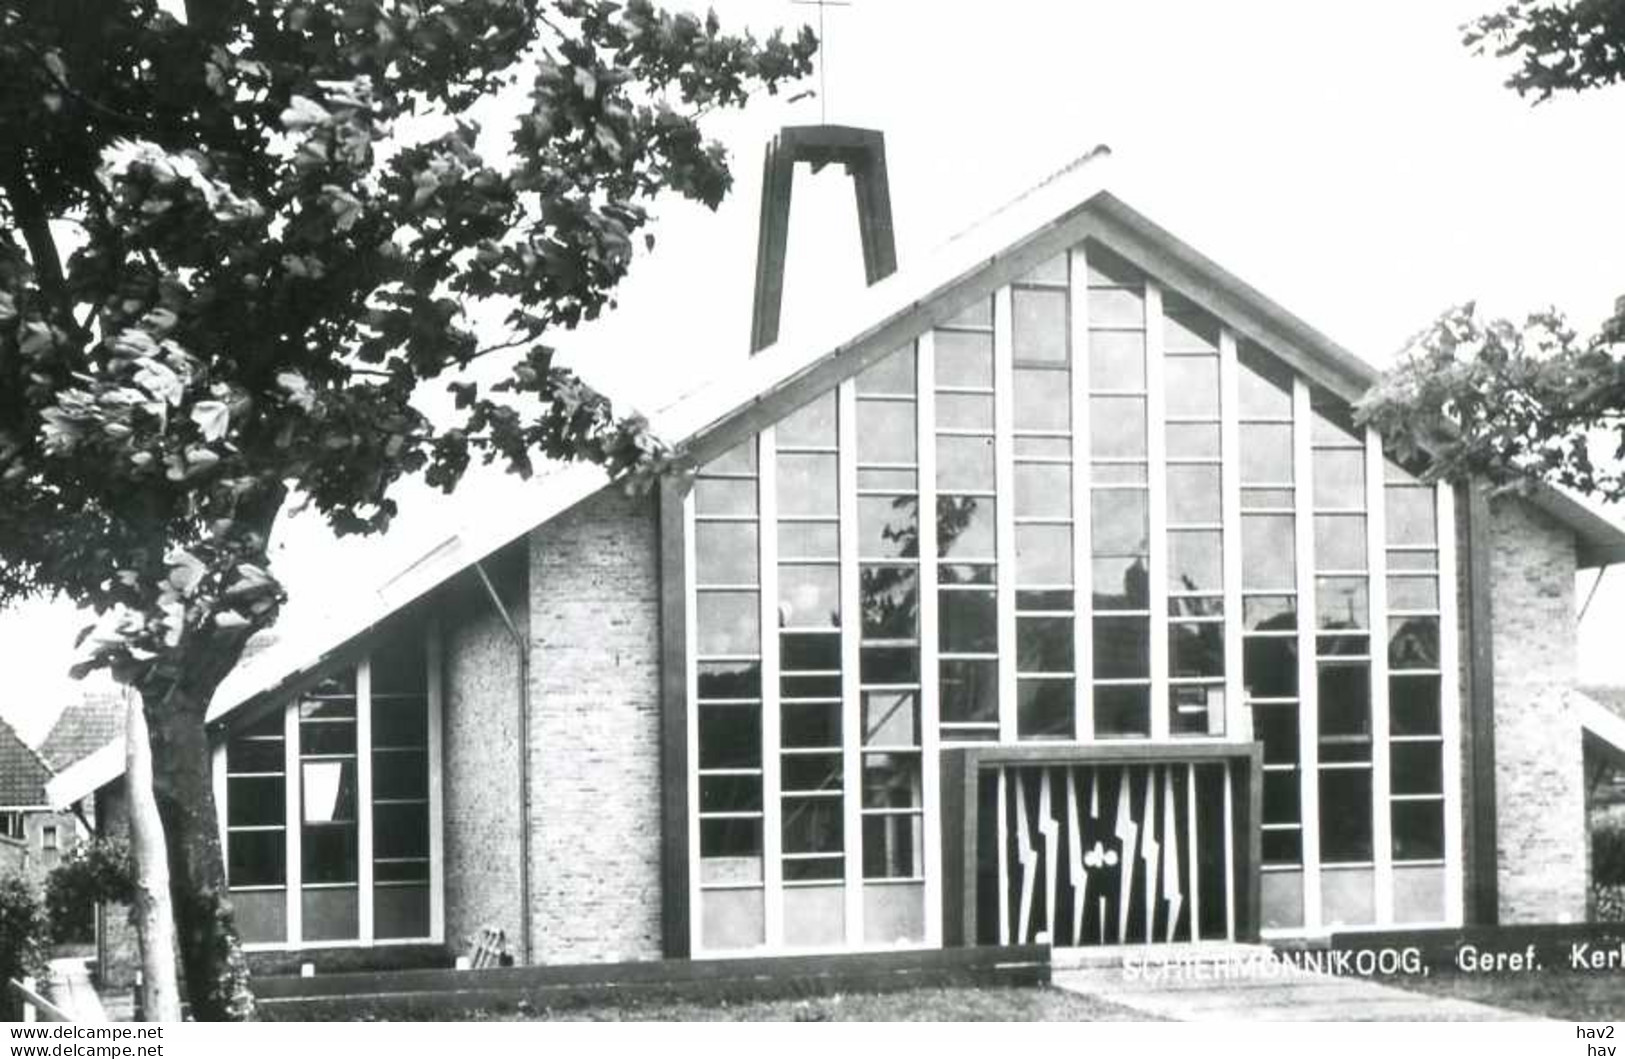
(1110, 851)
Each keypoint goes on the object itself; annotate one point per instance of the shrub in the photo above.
(95, 871)
(1609, 903)
(22, 940)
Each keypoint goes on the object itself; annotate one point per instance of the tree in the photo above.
(1560, 47)
(1536, 401)
(1514, 403)
(233, 246)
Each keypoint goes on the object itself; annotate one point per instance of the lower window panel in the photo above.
(261, 916)
(1281, 899)
(731, 919)
(1348, 897)
(894, 913)
(1419, 893)
(400, 911)
(814, 915)
(330, 914)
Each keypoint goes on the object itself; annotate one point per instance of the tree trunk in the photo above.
(150, 909)
(212, 959)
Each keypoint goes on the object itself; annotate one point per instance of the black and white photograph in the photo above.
(1037, 511)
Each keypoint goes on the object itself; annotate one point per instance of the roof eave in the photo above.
(1598, 542)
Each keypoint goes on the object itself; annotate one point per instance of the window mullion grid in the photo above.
(925, 416)
(1308, 676)
(767, 543)
(1004, 546)
(1157, 508)
(1450, 702)
(294, 816)
(1376, 535)
(851, 608)
(1238, 725)
(363, 800)
(1082, 566)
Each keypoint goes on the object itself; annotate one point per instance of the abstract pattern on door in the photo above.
(1106, 854)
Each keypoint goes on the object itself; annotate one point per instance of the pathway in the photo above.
(72, 992)
(1235, 983)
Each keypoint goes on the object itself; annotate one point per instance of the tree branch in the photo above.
(35, 225)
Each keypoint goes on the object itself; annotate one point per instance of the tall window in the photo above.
(812, 772)
(1195, 508)
(892, 810)
(1042, 435)
(1119, 520)
(330, 838)
(256, 827)
(1415, 725)
(967, 572)
(1343, 662)
(729, 705)
(1270, 610)
(337, 782)
(401, 826)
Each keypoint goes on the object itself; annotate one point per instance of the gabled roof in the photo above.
(22, 774)
(1060, 212)
(84, 727)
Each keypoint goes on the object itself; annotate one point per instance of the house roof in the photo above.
(23, 775)
(1602, 715)
(1613, 698)
(84, 727)
(1061, 211)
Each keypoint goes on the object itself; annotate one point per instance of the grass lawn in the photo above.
(1570, 996)
(964, 1004)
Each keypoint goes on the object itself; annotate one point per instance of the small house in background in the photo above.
(84, 727)
(1047, 590)
(33, 836)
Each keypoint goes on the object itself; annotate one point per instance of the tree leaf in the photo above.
(213, 418)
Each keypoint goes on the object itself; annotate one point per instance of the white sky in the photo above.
(1356, 164)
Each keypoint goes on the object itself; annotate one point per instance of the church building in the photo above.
(1047, 591)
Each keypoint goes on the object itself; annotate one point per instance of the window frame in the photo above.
(293, 886)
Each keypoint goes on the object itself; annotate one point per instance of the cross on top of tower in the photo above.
(823, 95)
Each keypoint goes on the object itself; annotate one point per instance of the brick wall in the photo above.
(595, 733)
(1540, 789)
(480, 793)
(29, 857)
(13, 856)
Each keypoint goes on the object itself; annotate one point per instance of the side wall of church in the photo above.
(1541, 834)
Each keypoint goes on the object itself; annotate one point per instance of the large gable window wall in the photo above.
(1145, 527)
(331, 808)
